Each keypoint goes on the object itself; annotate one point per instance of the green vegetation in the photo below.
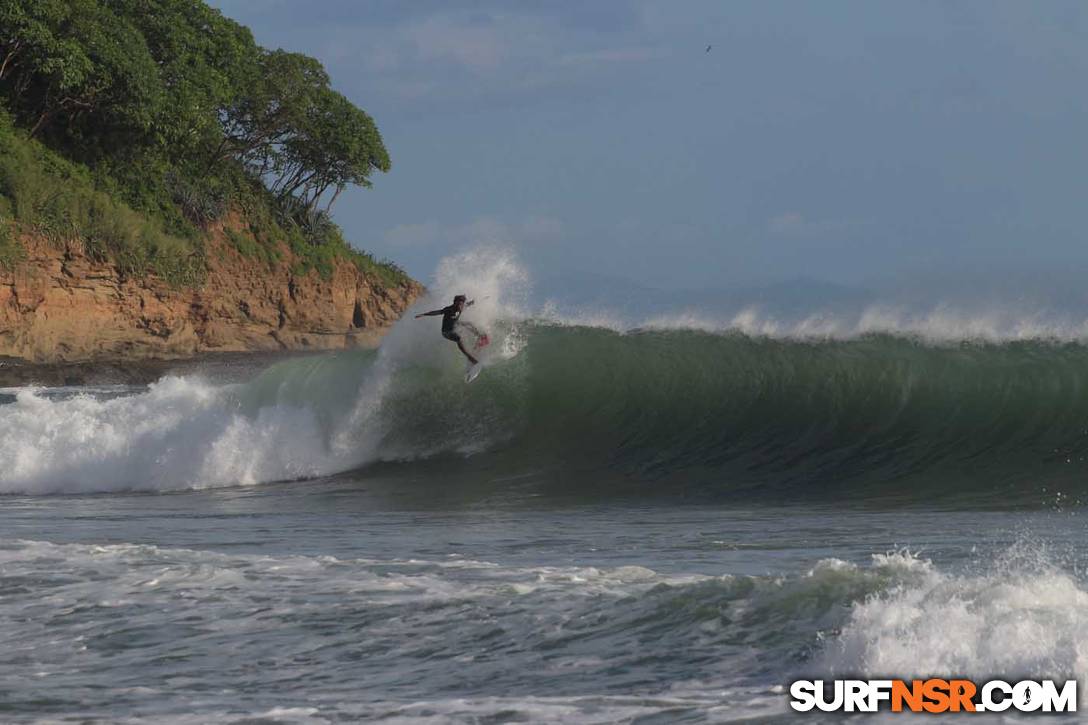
(10, 252)
(388, 271)
(42, 191)
(247, 246)
(135, 124)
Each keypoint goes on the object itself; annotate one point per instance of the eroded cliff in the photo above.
(59, 305)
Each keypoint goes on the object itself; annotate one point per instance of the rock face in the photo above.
(58, 305)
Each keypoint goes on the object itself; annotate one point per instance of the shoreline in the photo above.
(223, 366)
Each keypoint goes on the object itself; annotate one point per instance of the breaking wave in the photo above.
(742, 638)
(742, 410)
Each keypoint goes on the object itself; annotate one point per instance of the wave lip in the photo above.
(940, 324)
(665, 410)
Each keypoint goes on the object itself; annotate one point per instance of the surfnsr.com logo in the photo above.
(933, 695)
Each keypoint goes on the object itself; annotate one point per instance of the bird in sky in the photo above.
(708, 48)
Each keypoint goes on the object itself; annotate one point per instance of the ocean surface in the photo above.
(661, 523)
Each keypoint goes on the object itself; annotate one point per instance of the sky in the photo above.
(836, 141)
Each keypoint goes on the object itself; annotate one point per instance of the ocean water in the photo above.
(661, 523)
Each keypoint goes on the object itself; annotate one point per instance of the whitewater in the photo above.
(669, 517)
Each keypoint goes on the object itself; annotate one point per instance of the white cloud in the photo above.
(612, 55)
(462, 54)
(450, 39)
(795, 224)
(414, 235)
(542, 228)
(790, 222)
(486, 229)
(479, 46)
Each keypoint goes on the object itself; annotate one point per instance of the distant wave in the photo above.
(1017, 615)
(940, 324)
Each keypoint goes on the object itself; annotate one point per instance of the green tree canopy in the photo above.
(75, 70)
(174, 86)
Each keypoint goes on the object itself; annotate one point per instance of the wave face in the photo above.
(669, 411)
(732, 412)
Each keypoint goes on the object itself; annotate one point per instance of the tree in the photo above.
(78, 63)
(259, 121)
(150, 90)
(305, 139)
(205, 60)
(338, 144)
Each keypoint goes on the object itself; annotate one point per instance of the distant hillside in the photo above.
(581, 293)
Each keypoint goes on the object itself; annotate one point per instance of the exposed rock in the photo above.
(58, 305)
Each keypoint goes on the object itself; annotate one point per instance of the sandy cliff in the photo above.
(59, 305)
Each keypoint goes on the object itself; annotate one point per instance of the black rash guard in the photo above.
(450, 316)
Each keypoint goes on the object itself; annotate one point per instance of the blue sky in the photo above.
(842, 141)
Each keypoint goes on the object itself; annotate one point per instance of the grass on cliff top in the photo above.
(316, 241)
(389, 273)
(11, 252)
(40, 191)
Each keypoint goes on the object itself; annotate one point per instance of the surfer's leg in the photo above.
(461, 347)
(481, 336)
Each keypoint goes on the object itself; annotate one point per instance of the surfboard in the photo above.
(473, 372)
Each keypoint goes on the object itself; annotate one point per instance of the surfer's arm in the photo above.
(432, 313)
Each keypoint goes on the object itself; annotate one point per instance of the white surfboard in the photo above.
(473, 372)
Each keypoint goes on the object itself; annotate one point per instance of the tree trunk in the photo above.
(46, 115)
(7, 60)
(336, 194)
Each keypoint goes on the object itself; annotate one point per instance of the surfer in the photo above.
(451, 322)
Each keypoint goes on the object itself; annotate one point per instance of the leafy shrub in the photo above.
(201, 204)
